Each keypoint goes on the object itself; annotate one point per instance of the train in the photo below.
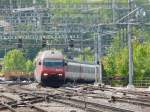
(51, 68)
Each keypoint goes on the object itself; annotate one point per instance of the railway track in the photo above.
(137, 100)
(143, 101)
(86, 105)
(28, 99)
(24, 105)
(65, 96)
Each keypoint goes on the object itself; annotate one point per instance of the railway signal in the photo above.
(43, 42)
(71, 43)
(97, 62)
(19, 44)
(66, 49)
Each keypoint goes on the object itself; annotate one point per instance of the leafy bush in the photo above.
(14, 60)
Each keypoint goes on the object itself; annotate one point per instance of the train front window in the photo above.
(53, 63)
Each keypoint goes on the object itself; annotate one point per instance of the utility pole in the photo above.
(34, 2)
(11, 5)
(130, 85)
(98, 62)
(99, 57)
(96, 57)
(5, 51)
(99, 48)
(47, 4)
(113, 9)
(19, 4)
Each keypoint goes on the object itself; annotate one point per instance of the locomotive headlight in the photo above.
(60, 74)
(45, 74)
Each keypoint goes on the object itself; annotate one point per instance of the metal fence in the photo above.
(145, 83)
(123, 81)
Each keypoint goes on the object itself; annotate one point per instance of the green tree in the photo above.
(141, 60)
(14, 60)
(87, 55)
(29, 67)
(117, 63)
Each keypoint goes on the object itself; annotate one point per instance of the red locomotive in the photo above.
(51, 69)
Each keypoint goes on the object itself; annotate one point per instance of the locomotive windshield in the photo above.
(53, 63)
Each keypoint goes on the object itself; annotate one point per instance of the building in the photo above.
(5, 26)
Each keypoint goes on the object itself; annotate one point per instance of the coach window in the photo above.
(70, 68)
(85, 70)
(93, 70)
(74, 69)
(89, 69)
(78, 69)
(39, 63)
